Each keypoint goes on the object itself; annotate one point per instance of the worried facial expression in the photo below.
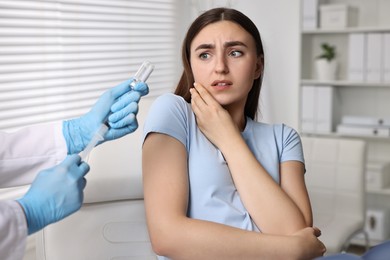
(224, 60)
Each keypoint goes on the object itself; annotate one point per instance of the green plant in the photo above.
(328, 52)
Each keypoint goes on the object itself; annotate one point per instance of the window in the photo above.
(57, 57)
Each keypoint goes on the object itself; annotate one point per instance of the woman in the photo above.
(213, 177)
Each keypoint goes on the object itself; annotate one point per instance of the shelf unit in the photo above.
(347, 30)
(355, 98)
(345, 83)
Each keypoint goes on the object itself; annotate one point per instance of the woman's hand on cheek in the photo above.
(212, 119)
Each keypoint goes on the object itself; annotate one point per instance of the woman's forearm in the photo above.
(197, 239)
(270, 207)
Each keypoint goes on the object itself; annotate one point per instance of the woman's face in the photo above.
(224, 60)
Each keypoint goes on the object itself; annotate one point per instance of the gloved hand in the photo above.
(118, 105)
(55, 193)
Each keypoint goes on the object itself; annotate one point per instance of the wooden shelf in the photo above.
(335, 135)
(384, 191)
(344, 83)
(365, 137)
(347, 30)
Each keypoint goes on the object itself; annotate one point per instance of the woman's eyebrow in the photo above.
(205, 46)
(226, 45)
(234, 43)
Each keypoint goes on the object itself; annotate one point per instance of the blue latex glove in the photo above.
(55, 193)
(118, 106)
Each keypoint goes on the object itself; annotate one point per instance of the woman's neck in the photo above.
(238, 117)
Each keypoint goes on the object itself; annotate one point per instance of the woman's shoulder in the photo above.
(277, 129)
(170, 97)
(286, 138)
(170, 104)
(284, 128)
(169, 101)
(169, 114)
(280, 127)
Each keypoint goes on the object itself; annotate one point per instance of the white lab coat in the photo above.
(23, 154)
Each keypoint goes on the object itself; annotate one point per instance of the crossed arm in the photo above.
(174, 235)
(275, 209)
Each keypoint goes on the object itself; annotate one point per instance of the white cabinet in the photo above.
(361, 90)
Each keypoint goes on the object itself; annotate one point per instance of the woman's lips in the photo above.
(221, 84)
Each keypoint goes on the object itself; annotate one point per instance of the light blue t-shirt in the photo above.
(213, 196)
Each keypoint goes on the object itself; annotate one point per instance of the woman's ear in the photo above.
(259, 66)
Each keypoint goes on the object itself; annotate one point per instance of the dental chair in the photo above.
(335, 179)
(111, 224)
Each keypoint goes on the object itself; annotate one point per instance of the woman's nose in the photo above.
(221, 65)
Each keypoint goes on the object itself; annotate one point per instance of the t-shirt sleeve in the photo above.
(168, 115)
(292, 145)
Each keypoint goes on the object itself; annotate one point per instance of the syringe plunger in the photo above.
(97, 137)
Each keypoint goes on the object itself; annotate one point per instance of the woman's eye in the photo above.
(236, 53)
(204, 56)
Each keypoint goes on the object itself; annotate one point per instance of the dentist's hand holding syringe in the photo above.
(58, 192)
(113, 115)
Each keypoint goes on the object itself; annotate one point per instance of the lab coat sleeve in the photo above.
(26, 152)
(13, 230)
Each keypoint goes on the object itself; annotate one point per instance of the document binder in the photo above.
(365, 120)
(310, 14)
(386, 57)
(318, 109)
(374, 57)
(357, 57)
(369, 131)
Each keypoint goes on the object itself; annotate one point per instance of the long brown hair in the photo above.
(212, 16)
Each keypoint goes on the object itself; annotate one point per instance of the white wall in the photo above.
(279, 24)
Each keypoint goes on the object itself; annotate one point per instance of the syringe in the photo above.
(142, 75)
(98, 136)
